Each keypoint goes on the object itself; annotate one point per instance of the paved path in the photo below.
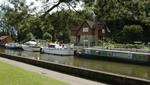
(56, 75)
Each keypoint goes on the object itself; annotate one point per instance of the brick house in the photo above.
(5, 39)
(88, 33)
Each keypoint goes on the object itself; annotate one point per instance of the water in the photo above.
(113, 67)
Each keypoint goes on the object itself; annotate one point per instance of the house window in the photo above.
(103, 31)
(85, 29)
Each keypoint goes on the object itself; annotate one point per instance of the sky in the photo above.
(40, 6)
(1, 1)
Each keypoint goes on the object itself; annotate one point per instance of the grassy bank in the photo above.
(10, 75)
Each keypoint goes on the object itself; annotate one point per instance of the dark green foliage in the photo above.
(118, 13)
(132, 33)
(128, 20)
(47, 36)
(62, 22)
(30, 36)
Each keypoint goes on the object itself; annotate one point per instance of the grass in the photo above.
(11, 75)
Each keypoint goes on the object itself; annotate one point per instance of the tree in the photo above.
(124, 12)
(47, 36)
(56, 5)
(58, 24)
(132, 33)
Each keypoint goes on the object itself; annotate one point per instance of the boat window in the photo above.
(51, 46)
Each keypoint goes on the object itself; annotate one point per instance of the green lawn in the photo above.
(11, 75)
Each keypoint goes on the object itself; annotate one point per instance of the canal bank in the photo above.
(70, 80)
(98, 65)
(82, 72)
(10, 74)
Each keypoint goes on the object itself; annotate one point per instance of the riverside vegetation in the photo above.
(128, 20)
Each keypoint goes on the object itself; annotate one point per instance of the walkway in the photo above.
(56, 75)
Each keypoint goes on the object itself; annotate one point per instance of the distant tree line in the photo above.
(128, 20)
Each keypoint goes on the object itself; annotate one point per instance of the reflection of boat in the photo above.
(57, 49)
(13, 46)
(31, 46)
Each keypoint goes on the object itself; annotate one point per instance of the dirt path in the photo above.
(56, 75)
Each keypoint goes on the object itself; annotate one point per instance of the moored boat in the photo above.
(57, 49)
(115, 55)
(31, 46)
(13, 46)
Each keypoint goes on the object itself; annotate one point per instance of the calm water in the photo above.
(118, 68)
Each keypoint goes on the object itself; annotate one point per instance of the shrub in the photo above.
(47, 36)
(30, 36)
(132, 33)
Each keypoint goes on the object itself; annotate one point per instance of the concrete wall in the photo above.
(100, 76)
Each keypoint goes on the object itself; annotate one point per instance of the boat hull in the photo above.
(116, 59)
(13, 46)
(62, 52)
(31, 48)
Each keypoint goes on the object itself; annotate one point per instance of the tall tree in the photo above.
(58, 2)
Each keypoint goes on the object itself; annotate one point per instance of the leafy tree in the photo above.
(47, 36)
(62, 23)
(69, 2)
(132, 33)
(119, 15)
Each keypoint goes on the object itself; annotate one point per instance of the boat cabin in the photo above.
(51, 45)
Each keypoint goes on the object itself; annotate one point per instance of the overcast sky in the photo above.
(38, 4)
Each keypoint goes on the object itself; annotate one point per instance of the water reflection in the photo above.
(119, 68)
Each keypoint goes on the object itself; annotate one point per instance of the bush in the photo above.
(132, 33)
(30, 36)
(47, 36)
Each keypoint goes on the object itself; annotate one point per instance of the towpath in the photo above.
(49, 73)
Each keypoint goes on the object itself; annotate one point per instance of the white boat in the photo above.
(13, 45)
(57, 49)
(31, 46)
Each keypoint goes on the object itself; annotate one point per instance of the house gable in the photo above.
(89, 31)
(85, 29)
